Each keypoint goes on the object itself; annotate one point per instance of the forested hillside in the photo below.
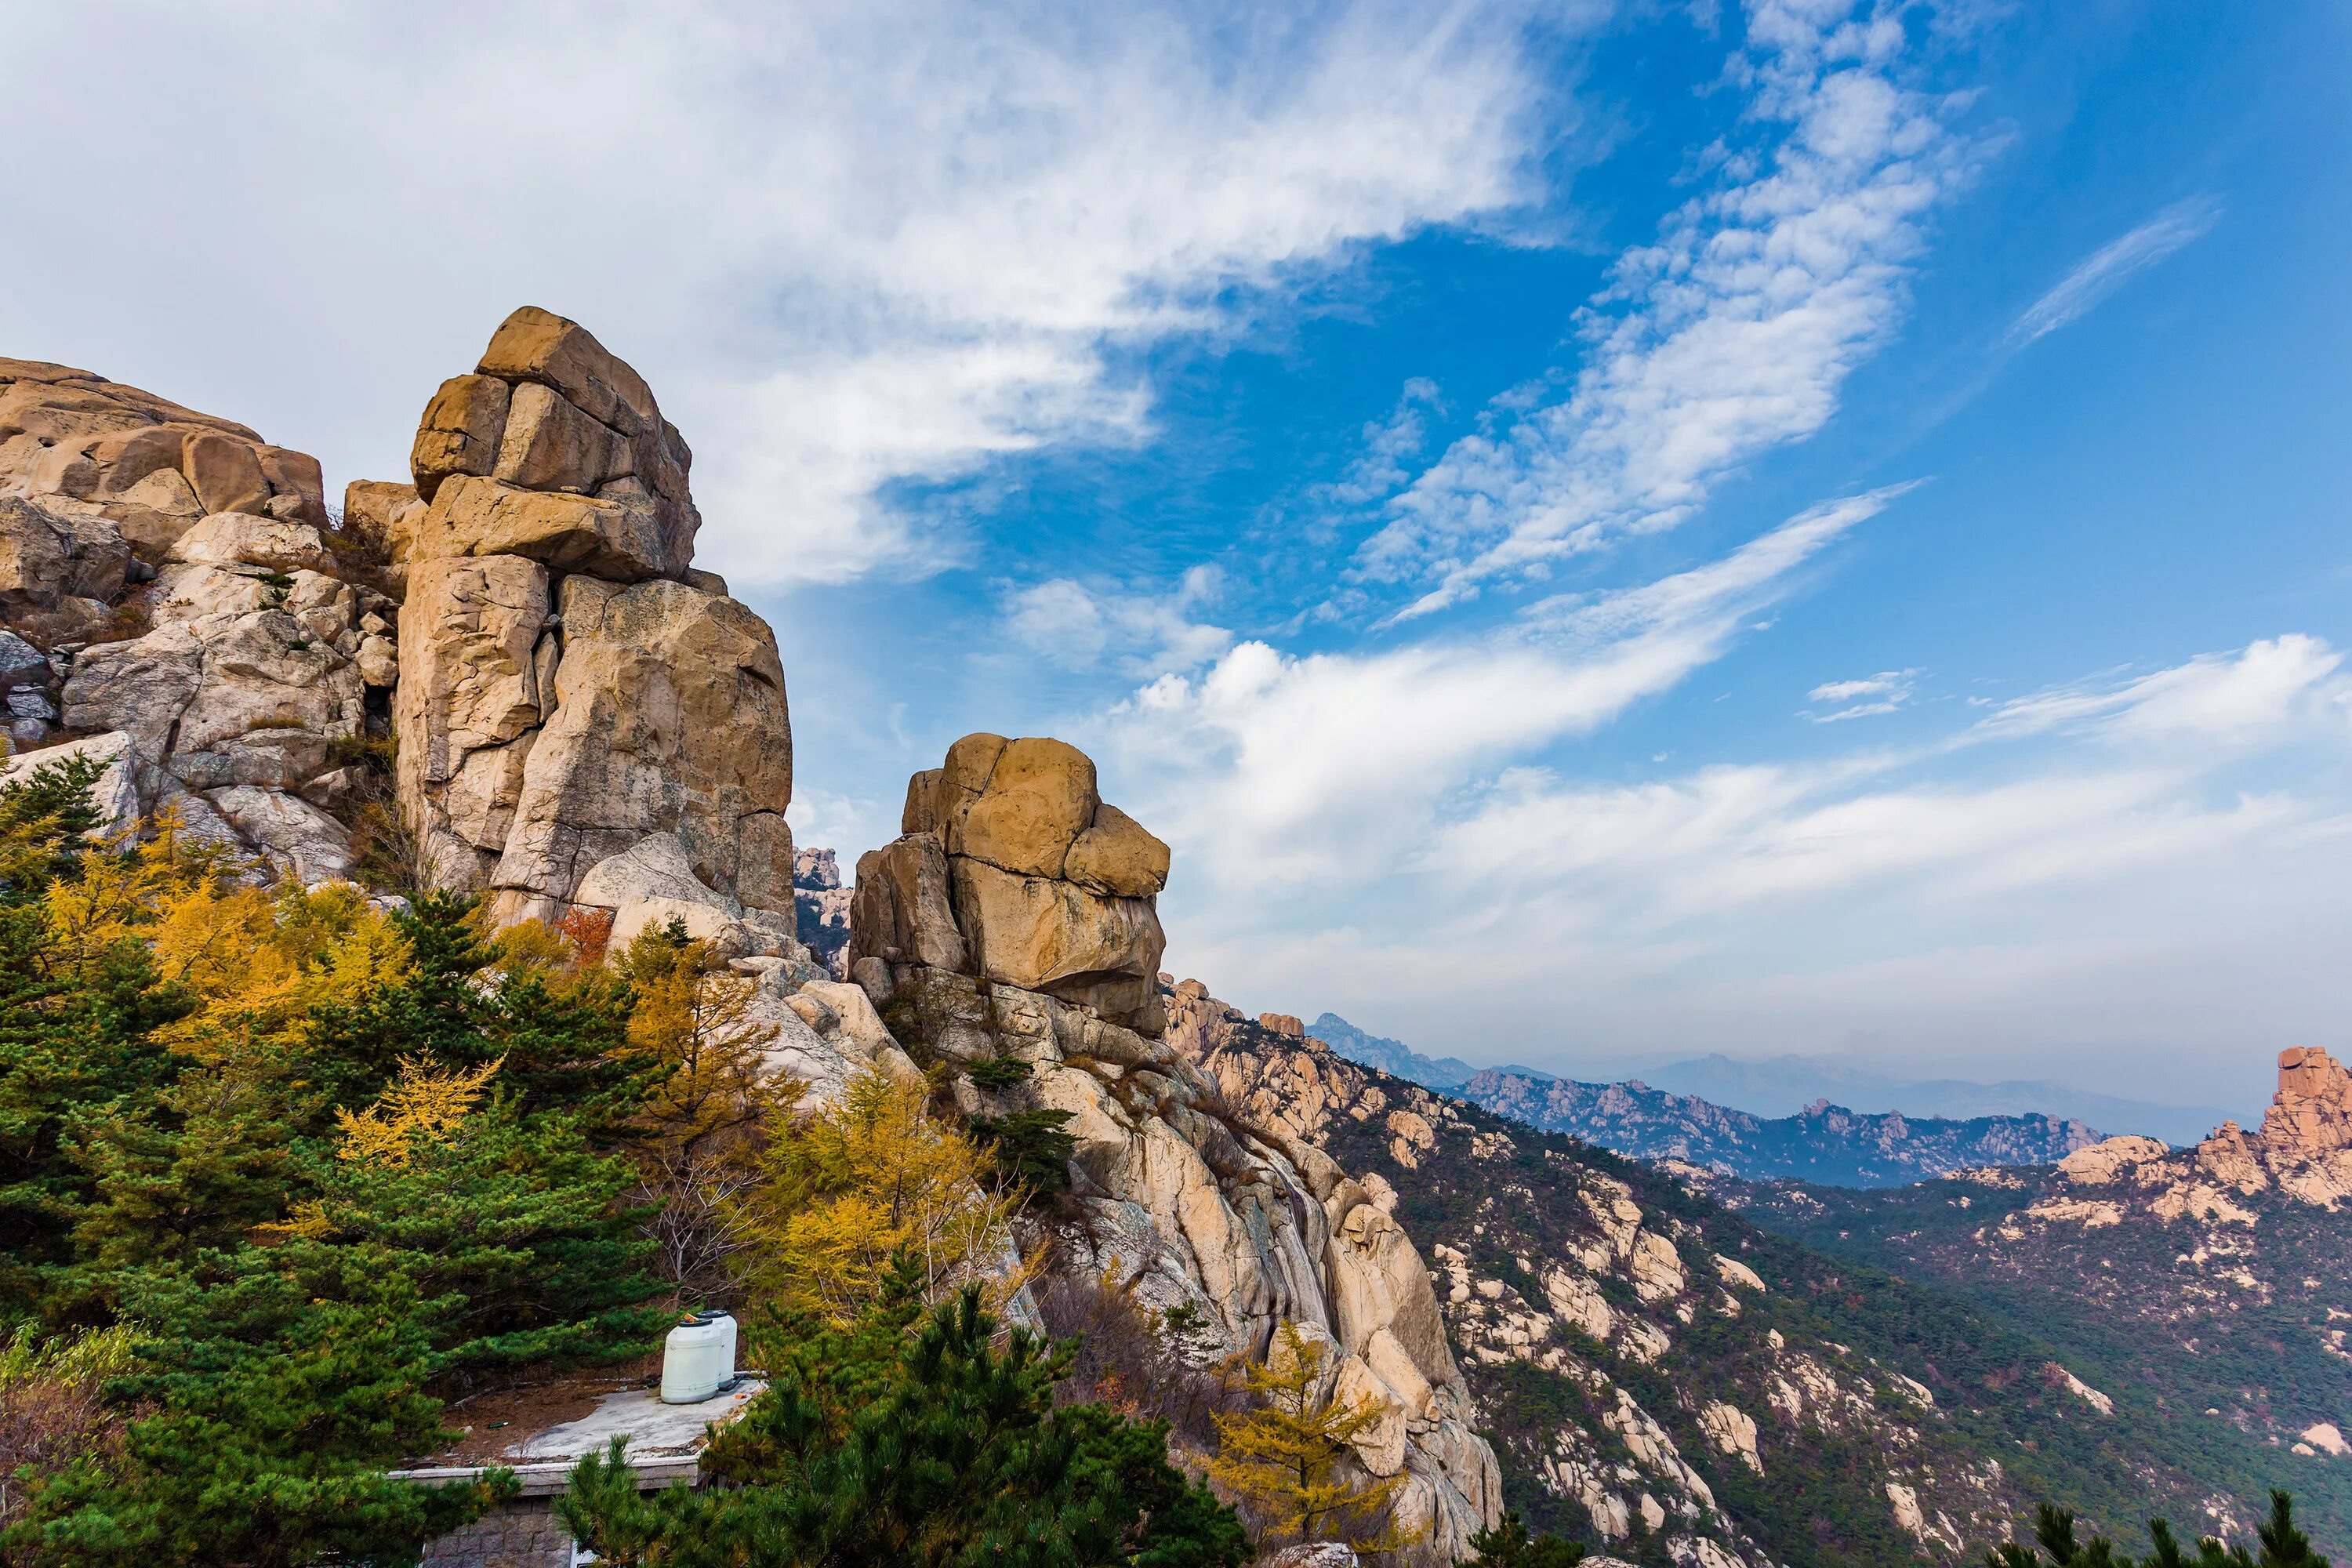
(2226, 1322)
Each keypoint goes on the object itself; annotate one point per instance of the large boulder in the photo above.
(1012, 869)
(143, 462)
(554, 449)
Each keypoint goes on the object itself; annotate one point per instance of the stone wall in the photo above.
(522, 1533)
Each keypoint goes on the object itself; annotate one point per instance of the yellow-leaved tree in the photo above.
(710, 1096)
(847, 1188)
(424, 1105)
(1285, 1459)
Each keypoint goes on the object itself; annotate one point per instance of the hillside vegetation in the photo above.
(281, 1172)
(1658, 1369)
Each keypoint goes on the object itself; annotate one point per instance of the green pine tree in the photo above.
(2278, 1543)
(939, 1450)
(270, 1447)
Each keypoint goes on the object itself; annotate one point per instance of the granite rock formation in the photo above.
(2302, 1149)
(822, 905)
(1014, 919)
(586, 721)
(173, 588)
(1012, 869)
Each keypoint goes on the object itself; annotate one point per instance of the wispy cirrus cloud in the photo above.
(2107, 268)
(1732, 333)
(2069, 807)
(1145, 631)
(1861, 699)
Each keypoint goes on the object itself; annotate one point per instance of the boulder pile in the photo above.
(173, 583)
(1012, 869)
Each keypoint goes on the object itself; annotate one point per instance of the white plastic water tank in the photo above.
(697, 1359)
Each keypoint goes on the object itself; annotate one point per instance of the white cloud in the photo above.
(2269, 689)
(2037, 877)
(1389, 445)
(1732, 335)
(1725, 837)
(1886, 682)
(1328, 768)
(1884, 692)
(855, 248)
(1151, 630)
(2107, 269)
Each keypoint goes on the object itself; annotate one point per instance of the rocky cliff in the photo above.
(1014, 919)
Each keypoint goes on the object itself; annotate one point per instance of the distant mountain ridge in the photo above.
(1781, 1086)
(1391, 1057)
(1821, 1142)
(1784, 1085)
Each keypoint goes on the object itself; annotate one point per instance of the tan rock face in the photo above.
(1037, 798)
(1114, 855)
(668, 716)
(68, 436)
(460, 431)
(470, 693)
(2312, 1114)
(572, 694)
(1046, 887)
(1177, 1197)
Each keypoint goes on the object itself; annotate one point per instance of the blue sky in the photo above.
(1600, 532)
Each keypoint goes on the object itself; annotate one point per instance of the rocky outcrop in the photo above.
(86, 447)
(821, 906)
(2303, 1150)
(1014, 919)
(173, 584)
(246, 690)
(1623, 1361)
(1010, 869)
(586, 721)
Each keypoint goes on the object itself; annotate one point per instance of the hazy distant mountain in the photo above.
(1786, 1086)
(1391, 1057)
(1782, 1086)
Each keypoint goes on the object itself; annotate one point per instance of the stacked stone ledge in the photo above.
(1016, 918)
(586, 723)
